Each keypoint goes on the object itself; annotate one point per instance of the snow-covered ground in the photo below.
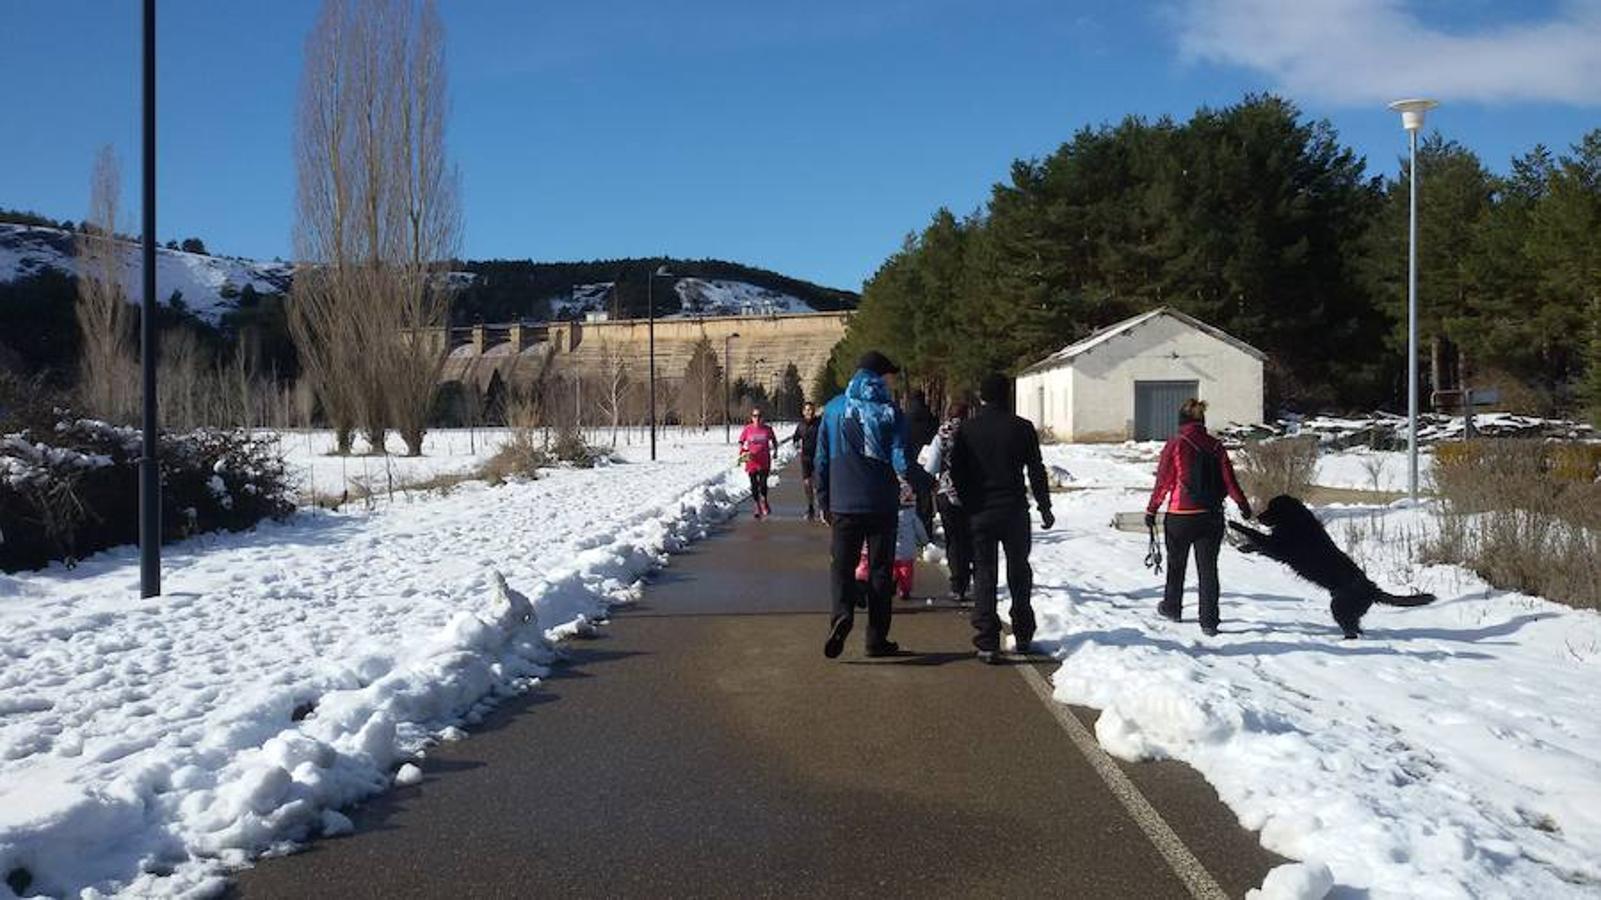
(1453, 752)
(202, 280)
(145, 745)
(308, 455)
(1371, 470)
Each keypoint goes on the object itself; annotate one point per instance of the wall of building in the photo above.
(1163, 349)
(763, 348)
(1091, 399)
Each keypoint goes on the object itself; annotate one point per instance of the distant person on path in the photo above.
(861, 457)
(991, 452)
(952, 516)
(805, 437)
(1193, 477)
(921, 429)
(757, 444)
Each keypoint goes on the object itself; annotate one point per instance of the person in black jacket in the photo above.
(991, 452)
(805, 437)
(922, 427)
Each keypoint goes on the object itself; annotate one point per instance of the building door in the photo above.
(1156, 407)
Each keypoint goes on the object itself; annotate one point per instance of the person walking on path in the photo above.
(1193, 477)
(952, 516)
(757, 444)
(805, 437)
(861, 457)
(921, 429)
(989, 456)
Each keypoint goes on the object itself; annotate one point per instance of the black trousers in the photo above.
(810, 488)
(850, 532)
(958, 544)
(994, 531)
(758, 484)
(925, 506)
(1204, 532)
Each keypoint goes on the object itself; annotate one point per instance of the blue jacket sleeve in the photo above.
(820, 461)
(897, 454)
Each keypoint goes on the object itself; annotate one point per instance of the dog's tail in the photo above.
(1408, 600)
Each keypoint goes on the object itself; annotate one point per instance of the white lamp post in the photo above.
(1412, 112)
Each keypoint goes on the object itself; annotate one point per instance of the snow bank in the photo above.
(148, 745)
(1453, 752)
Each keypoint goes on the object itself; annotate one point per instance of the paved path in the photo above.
(704, 747)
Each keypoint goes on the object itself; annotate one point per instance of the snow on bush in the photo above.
(146, 746)
(73, 489)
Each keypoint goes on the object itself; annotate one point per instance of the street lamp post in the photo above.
(1412, 114)
(728, 400)
(149, 472)
(650, 302)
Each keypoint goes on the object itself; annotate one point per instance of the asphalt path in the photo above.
(702, 746)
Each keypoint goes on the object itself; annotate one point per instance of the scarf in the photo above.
(867, 401)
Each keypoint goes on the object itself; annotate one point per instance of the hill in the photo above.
(207, 286)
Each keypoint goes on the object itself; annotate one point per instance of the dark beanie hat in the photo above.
(993, 388)
(877, 363)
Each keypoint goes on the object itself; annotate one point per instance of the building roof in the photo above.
(1105, 335)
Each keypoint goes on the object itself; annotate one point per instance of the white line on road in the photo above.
(1189, 870)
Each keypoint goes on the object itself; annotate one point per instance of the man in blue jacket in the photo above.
(861, 457)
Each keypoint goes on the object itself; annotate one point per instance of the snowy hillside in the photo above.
(696, 297)
(208, 284)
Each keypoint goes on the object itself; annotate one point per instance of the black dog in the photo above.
(1299, 541)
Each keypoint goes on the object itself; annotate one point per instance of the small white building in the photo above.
(1126, 381)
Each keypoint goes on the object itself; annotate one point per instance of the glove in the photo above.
(1245, 511)
(1150, 520)
(1047, 519)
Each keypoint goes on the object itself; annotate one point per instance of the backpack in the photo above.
(1203, 476)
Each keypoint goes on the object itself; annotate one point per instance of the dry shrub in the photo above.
(520, 457)
(1284, 466)
(1518, 513)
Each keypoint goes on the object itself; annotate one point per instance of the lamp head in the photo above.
(1412, 111)
(661, 272)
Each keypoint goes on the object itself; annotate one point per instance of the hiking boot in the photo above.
(836, 638)
(888, 648)
(1209, 630)
(1025, 647)
(1172, 615)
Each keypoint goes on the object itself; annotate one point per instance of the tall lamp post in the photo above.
(728, 400)
(1412, 113)
(650, 302)
(149, 472)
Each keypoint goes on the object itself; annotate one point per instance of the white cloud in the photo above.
(1369, 51)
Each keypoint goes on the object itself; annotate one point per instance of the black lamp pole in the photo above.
(650, 300)
(149, 470)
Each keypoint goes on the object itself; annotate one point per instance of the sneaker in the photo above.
(888, 648)
(989, 657)
(836, 638)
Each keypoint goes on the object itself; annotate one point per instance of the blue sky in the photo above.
(806, 138)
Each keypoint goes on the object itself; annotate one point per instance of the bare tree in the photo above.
(107, 368)
(616, 383)
(378, 216)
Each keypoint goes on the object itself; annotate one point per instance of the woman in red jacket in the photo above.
(1194, 476)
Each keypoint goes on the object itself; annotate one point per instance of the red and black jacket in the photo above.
(1172, 472)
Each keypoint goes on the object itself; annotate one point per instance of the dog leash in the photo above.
(1153, 553)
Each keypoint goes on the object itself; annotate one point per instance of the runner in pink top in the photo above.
(757, 444)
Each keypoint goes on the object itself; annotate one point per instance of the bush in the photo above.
(74, 489)
(1273, 467)
(520, 457)
(1524, 515)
